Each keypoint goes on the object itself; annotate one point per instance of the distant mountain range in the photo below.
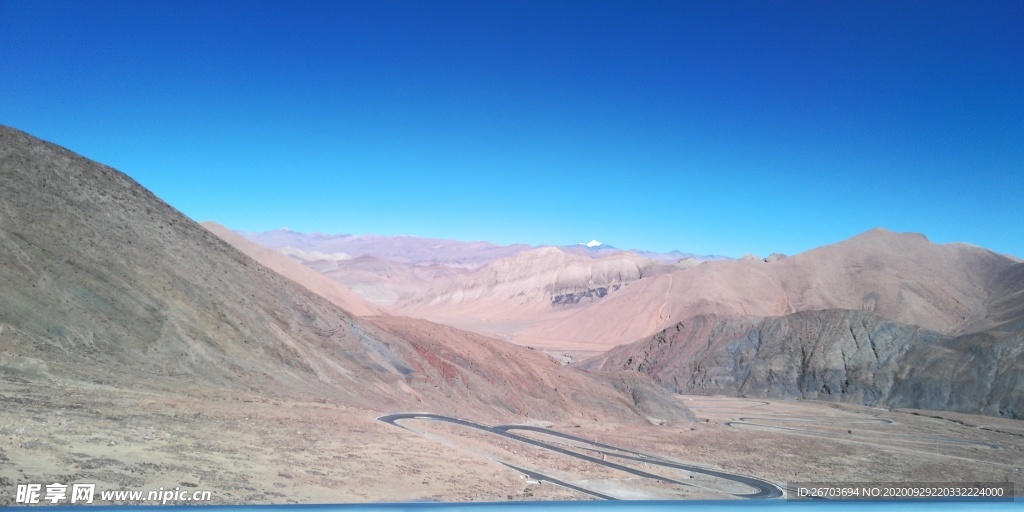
(874, 319)
(429, 251)
(403, 249)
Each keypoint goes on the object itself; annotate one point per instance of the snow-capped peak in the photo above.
(593, 243)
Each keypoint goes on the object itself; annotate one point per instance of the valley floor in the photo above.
(247, 448)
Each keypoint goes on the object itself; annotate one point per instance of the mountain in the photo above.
(308, 256)
(543, 277)
(559, 301)
(387, 269)
(305, 276)
(478, 373)
(512, 293)
(411, 250)
(595, 249)
(676, 256)
(1005, 305)
(106, 284)
(403, 249)
(882, 319)
(383, 281)
(852, 356)
(900, 277)
(592, 249)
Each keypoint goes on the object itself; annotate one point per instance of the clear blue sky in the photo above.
(713, 127)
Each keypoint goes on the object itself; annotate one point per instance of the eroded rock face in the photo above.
(548, 275)
(850, 356)
(519, 290)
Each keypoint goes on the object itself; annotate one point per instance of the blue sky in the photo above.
(713, 127)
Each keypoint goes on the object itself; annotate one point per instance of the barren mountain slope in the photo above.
(720, 287)
(104, 282)
(900, 277)
(383, 281)
(851, 356)
(1005, 305)
(287, 267)
(478, 369)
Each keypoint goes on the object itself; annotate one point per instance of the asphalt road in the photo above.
(762, 488)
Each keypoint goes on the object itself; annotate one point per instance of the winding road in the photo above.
(762, 488)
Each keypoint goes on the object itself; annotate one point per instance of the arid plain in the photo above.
(255, 449)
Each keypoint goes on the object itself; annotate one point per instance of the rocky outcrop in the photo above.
(852, 356)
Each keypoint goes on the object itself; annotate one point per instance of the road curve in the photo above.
(763, 489)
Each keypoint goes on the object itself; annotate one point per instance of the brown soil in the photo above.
(252, 449)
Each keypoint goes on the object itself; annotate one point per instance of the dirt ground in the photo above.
(254, 449)
(242, 448)
(812, 441)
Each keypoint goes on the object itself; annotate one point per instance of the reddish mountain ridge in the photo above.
(899, 277)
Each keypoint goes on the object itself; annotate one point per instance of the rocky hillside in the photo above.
(935, 327)
(103, 282)
(852, 356)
